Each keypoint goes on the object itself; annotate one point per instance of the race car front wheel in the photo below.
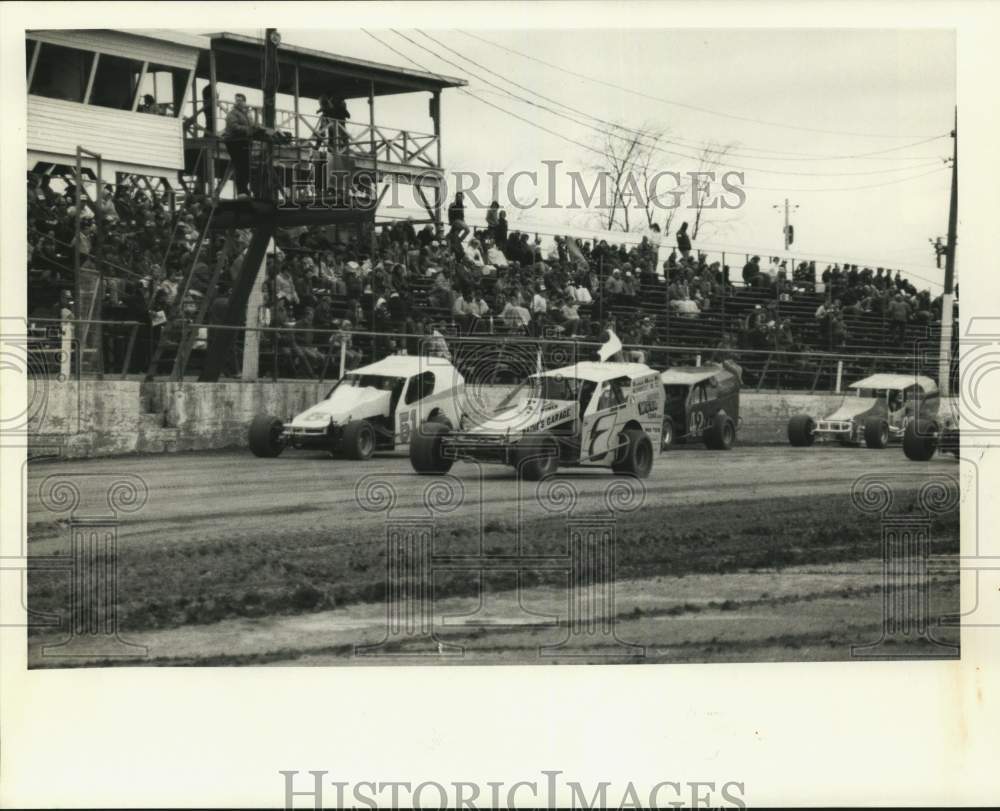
(425, 449)
(358, 440)
(801, 431)
(635, 458)
(876, 434)
(265, 436)
(537, 456)
(667, 437)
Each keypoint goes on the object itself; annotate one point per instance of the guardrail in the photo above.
(289, 352)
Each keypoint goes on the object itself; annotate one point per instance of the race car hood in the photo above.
(531, 415)
(854, 407)
(346, 402)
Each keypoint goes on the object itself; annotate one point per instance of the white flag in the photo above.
(612, 347)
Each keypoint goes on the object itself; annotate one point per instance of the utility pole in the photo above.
(944, 357)
(272, 39)
(788, 231)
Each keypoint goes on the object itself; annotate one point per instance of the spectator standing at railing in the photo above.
(239, 128)
(492, 216)
(684, 241)
(340, 116)
(898, 313)
(751, 270)
(325, 126)
(456, 211)
(342, 338)
(613, 288)
(500, 231)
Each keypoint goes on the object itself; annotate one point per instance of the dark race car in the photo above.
(702, 403)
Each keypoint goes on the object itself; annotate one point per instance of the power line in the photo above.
(797, 157)
(682, 104)
(589, 148)
(641, 133)
(703, 158)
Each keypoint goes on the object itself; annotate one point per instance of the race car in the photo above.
(878, 413)
(597, 414)
(702, 403)
(376, 407)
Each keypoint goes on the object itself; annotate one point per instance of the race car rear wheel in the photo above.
(722, 433)
(801, 430)
(635, 457)
(876, 434)
(265, 436)
(425, 449)
(537, 456)
(667, 437)
(358, 440)
(920, 440)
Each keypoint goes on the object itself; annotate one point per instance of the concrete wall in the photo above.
(106, 418)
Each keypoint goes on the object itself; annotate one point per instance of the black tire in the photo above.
(358, 440)
(265, 436)
(876, 434)
(537, 456)
(920, 440)
(800, 431)
(721, 435)
(425, 449)
(667, 437)
(635, 457)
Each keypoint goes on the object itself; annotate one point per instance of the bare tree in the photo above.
(710, 160)
(627, 160)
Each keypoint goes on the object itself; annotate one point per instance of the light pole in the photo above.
(788, 231)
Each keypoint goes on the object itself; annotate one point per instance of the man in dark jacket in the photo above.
(239, 127)
(456, 211)
(750, 270)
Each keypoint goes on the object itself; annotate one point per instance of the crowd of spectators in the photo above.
(404, 279)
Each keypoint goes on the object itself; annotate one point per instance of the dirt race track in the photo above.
(758, 554)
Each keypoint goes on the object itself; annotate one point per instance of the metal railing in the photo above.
(350, 138)
(500, 357)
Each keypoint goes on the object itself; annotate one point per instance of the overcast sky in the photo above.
(848, 92)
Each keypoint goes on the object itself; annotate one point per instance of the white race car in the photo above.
(877, 414)
(376, 407)
(592, 413)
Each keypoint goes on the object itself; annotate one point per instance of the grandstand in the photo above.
(136, 237)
